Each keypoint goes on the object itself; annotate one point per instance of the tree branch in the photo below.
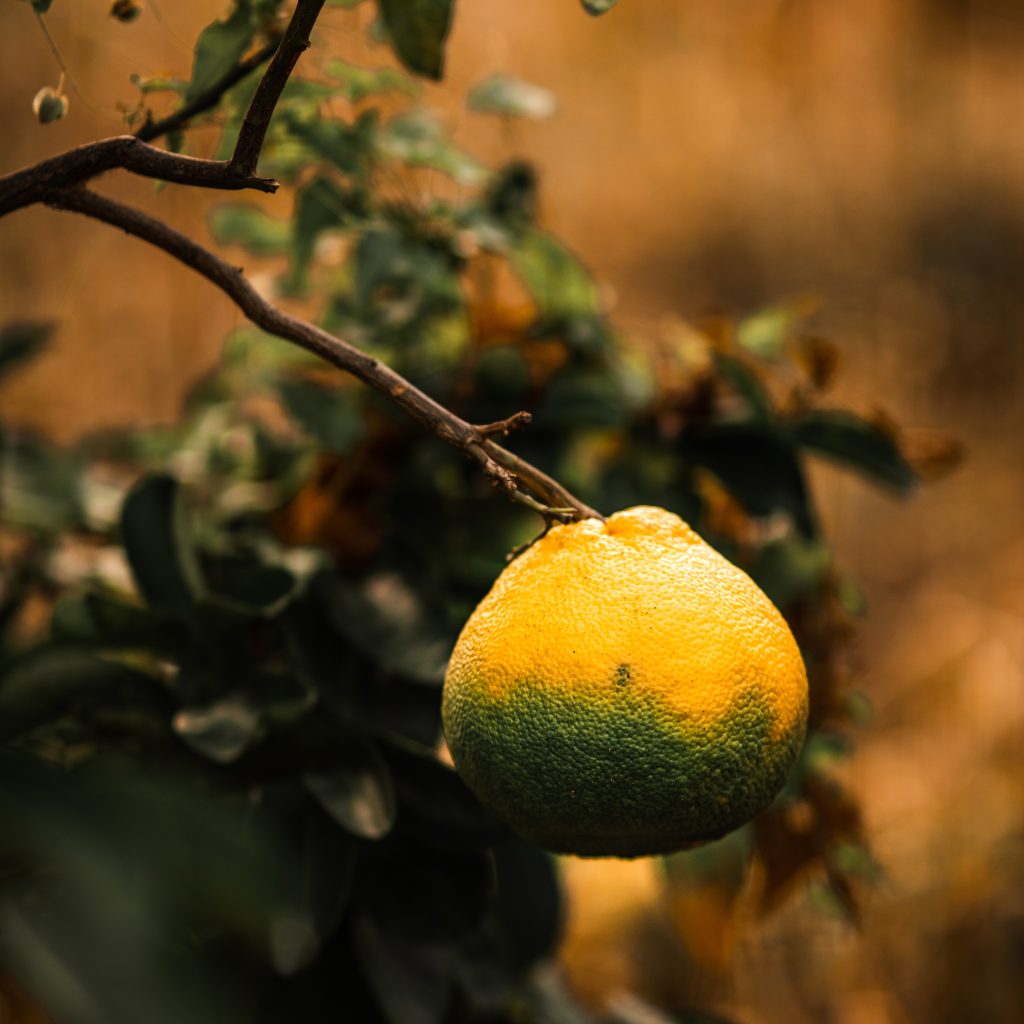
(29, 185)
(210, 98)
(520, 480)
(257, 119)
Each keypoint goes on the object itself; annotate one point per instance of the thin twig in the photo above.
(29, 185)
(520, 480)
(209, 98)
(502, 428)
(257, 119)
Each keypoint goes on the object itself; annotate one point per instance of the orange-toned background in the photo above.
(705, 156)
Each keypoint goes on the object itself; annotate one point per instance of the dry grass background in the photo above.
(707, 156)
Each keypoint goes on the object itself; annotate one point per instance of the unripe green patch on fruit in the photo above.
(553, 763)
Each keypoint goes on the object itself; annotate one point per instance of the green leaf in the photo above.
(558, 281)
(418, 30)
(40, 485)
(21, 341)
(347, 147)
(219, 48)
(508, 96)
(588, 397)
(436, 805)
(248, 226)
(41, 6)
(502, 372)
(109, 622)
(222, 731)
(320, 206)
(249, 587)
(358, 83)
(332, 418)
(512, 196)
(158, 545)
(791, 570)
(848, 439)
(412, 982)
(410, 924)
(356, 791)
(598, 7)
(765, 333)
(745, 383)
(418, 139)
(758, 465)
(386, 619)
(157, 83)
(528, 903)
(316, 870)
(126, 873)
(47, 683)
(402, 280)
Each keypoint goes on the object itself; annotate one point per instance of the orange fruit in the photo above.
(624, 690)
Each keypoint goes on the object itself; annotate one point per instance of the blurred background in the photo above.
(862, 157)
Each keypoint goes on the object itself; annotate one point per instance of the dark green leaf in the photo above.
(758, 465)
(412, 982)
(158, 545)
(390, 623)
(512, 196)
(356, 790)
(315, 873)
(21, 341)
(221, 45)
(250, 587)
(332, 418)
(435, 803)
(418, 30)
(855, 442)
(47, 683)
(745, 383)
(503, 373)
(134, 868)
(528, 903)
(415, 908)
(577, 398)
(107, 621)
(791, 570)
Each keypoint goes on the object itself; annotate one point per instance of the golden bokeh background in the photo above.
(705, 157)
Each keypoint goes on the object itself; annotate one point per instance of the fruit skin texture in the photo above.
(624, 690)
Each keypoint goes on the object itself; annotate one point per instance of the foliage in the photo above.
(220, 774)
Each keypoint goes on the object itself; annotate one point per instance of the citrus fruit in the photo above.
(624, 690)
